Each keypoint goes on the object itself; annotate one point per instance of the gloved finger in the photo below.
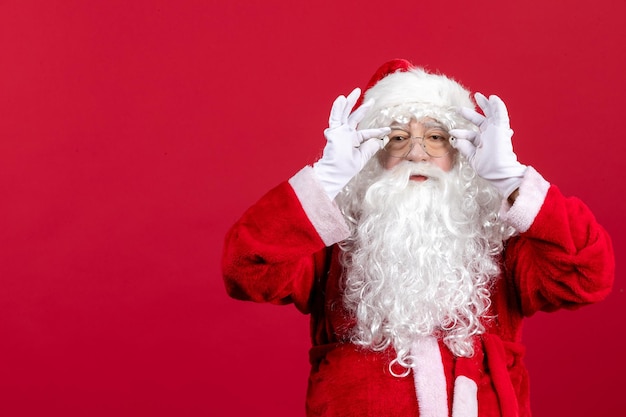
(499, 111)
(336, 112)
(368, 149)
(464, 134)
(483, 103)
(350, 102)
(464, 146)
(355, 118)
(471, 115)
(367, 134)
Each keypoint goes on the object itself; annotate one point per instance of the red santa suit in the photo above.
(283, 250)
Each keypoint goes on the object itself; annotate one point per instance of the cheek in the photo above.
(445, 163)
(388, 162)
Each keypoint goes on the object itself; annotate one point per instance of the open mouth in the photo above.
(418, 177)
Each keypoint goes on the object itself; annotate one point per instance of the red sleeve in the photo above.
(564, 260)
(275, 251)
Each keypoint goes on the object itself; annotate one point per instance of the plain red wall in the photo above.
(134, 133)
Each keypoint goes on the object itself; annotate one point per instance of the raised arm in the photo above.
(563, 258)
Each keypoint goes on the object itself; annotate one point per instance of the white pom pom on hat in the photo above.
(402, 91)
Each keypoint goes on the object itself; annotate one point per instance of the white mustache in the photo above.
(407, 169)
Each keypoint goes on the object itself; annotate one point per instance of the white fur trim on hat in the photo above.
(416, 94)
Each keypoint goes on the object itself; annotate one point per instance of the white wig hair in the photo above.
(421, 262)
(416, 94)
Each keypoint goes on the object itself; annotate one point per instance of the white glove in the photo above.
(347, 149)
(490, 151)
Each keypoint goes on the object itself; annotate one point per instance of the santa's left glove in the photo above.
(490, 150)
(347, 149)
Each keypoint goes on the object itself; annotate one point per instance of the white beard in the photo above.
(422, 256)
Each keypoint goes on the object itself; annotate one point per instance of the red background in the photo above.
(134, 133)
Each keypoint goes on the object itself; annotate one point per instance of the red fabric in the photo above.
(267, 255)
(395, 65)
(274, 254)
(557, 262)
(349, 382)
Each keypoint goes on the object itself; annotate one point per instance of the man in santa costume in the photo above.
(418, 243)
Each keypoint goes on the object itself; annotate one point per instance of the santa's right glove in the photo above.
(490, 150)
(347, 149)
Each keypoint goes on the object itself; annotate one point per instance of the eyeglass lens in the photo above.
(435, 143)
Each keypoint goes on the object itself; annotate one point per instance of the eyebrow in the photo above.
(427, 125)
(434, 124)
(404, 128)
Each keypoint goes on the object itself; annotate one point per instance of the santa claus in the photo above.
(418, 243)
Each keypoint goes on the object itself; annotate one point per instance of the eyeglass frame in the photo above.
(386, 140)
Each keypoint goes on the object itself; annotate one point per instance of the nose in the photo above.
(417, 152)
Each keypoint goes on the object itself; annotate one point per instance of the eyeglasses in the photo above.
(435, 142)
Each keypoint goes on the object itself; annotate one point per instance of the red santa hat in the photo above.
(402, 91)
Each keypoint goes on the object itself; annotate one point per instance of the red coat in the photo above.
(283, 250)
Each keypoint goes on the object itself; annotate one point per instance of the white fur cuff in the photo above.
(321, 211)
(532, 194)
